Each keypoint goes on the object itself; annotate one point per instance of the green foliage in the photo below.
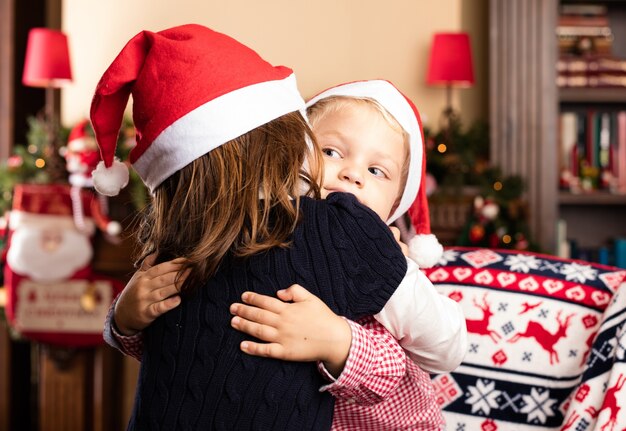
(28, 163)
(459, 158)
(39, 161)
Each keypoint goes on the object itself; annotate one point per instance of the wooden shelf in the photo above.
(595, 198)
(592, 95)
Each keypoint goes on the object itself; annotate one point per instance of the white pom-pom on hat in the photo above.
(109, 181)
(425, 250)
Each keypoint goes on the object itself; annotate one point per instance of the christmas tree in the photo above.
(458, 158)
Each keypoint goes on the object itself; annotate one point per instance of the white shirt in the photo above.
(429, 326)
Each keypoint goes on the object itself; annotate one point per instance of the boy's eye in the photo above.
(330, 152)
(376, 172)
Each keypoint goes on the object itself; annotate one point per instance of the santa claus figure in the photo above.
(81, 157)
(52, 293)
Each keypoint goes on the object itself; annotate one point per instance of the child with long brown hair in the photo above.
(370, 136)
(221, 144)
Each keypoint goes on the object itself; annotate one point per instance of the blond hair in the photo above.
(212, 207)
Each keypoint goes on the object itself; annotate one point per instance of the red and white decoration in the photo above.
(81, 155)
(52, 293)
(81, 158)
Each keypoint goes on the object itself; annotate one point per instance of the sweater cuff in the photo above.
(360, 360)
(129, 345)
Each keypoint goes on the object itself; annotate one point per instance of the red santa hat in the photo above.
(81, 154)
(80, 138)
(193, 90)
(424, 247)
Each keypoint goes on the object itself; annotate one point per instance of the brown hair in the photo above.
(213, 206)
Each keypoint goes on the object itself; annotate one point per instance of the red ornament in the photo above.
(476, 233)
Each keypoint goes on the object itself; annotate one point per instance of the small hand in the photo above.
(151, 292)
(396, 234)
(302, 330)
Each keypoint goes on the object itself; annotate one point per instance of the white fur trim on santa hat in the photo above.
(425, 250)
(109, 181)
(236, 113)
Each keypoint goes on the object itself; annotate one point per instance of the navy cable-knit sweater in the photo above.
(193, 375)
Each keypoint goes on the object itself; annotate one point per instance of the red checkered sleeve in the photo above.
(375, 366)
(131, 345)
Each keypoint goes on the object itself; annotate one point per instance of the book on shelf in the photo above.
(619, 157)
(562, 244)
(592, 41)
(574, 20)
(584, 9)
(592, 150)
(620, 252)
(591, 71)
(584, 30)
(612, 253)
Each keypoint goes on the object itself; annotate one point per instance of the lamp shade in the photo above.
(47, 62)
(451, 60)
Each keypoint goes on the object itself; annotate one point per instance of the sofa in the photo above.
(546, 342)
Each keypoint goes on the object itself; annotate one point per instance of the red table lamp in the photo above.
(450, 63)
(47, 63)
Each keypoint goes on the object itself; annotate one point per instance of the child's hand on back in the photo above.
(151, 292)
(301, 329)
(396, 234)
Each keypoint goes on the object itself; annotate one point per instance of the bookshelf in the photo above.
(525, 118)
(594, 218)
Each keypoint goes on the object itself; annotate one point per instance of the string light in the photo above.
(40, 163)
(497, 186)
(506, 239)
(442, 148)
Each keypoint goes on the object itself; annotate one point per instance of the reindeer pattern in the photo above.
(539, 343)
(542, 327)
(612, 402)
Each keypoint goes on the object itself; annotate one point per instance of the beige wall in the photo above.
(325, 41)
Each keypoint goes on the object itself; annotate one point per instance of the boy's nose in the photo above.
(352, 175)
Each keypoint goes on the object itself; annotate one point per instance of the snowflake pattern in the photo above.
(483, 396)
(578, 273)
(522, 262)
(538, 405)
(551, 266)
(448, 256)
